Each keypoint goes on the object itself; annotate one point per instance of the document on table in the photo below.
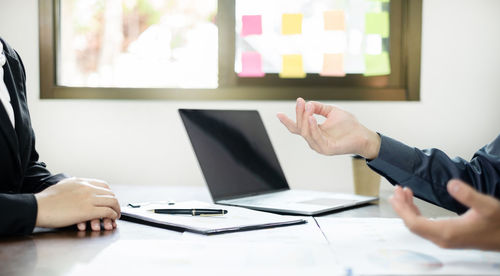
(237, 218)
(303, 233)
(386, 246)
(180, 257)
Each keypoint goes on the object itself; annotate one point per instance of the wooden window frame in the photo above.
(403, 84)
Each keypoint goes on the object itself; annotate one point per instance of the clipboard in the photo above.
(237, 219)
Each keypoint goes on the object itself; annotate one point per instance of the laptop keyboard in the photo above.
(282, 197)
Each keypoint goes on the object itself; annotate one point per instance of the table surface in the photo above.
(56, 252)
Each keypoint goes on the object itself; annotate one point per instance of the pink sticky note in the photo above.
(251, 64)
(252, 25)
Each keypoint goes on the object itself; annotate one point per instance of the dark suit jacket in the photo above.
(21, 174)
(428, 171)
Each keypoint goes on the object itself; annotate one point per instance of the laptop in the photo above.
(241, 168)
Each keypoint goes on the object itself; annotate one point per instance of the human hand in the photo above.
(95, 224)
(478, 228)
(77, 200)
(341, 133)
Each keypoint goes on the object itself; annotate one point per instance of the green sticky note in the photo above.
(377, 23)
(377, 65)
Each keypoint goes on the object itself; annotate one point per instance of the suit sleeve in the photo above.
(18, 215)
(37, 177)
(428, 171)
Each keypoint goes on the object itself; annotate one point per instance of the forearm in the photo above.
(38, 178)
(427, 172)
(19, 214)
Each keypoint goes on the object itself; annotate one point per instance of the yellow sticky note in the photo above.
(377, 23)
(377, 65)
(291, 23)
(333, 65)
(292, 67)
(334, 20)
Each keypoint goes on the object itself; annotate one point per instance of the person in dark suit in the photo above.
(470, 188)
(29, 194)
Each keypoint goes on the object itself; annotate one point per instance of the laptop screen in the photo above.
(234, 152)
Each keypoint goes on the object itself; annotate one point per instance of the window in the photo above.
(230, 49)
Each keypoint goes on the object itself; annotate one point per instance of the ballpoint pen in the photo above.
(193, 212)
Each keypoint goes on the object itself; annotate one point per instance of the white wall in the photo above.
(143, 142)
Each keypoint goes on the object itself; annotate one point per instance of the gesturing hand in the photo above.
(341, 133)
(478, 228)
(77, 200)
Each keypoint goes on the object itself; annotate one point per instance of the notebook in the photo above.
(237, 219)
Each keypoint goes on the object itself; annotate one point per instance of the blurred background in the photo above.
(143, 142)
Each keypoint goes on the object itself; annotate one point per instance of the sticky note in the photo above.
(251, 65)
(377, 23)
(291, 23)
(292, 67)
(377, 65)
(334, 20)
(333, 65)
(251, 25)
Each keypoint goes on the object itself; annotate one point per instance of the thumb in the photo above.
(466, 195)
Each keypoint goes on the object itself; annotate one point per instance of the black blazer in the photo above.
(21, 174)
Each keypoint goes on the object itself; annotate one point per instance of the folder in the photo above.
(237, 218)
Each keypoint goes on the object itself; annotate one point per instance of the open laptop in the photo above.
(241, 168)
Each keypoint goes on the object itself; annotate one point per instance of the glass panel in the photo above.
(138, 43)
(328, 37)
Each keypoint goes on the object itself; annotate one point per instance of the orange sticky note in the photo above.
(334, 20)
(251, 64)
(333, 65)
(251, 25)
(291, 23)
(292, 67)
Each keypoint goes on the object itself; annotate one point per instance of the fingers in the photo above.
(466, 195)
(409, 200)
(403, 208)
(299, 112)
(108, 201)
(108, 224)
(105, 212)
(82, 226)
(440, 232)
(289, 124)
(321, 109)
(316, 138)
(95, 225)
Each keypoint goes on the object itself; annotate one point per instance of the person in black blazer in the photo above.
(29, 194)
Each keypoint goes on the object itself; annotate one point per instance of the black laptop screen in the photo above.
(234, 152)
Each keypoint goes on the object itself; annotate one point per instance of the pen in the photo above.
(193, 212)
